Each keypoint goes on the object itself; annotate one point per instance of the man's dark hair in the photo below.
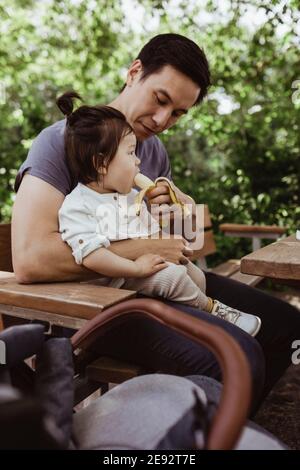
(92, 136)
(179, 52)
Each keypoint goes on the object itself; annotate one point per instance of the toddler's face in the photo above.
(124, 166)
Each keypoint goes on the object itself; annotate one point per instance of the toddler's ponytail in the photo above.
(65, 102)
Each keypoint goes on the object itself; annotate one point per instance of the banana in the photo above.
(146, 184)
(143, 181)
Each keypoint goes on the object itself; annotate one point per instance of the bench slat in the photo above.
(231, 269)
(274, 229)
(247, 279)
(80, 300)
(227, 268)
(208, 248)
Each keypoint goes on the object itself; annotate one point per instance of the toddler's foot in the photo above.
(247, 322)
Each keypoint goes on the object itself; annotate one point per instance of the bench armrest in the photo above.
(243, 229)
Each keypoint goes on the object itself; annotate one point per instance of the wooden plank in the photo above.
(227, 268)
(6, 275)
(231, 268)
(5, 248)
(279, 260)
(51, 318)
(247, 279)
(242, 228)
(208, 248)
(66, 298)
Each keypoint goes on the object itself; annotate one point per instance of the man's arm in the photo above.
(109, 264)
(38, 252)
(40, 255)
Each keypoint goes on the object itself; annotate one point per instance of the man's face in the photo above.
(156, 103)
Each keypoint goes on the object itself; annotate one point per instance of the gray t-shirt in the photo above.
(47, 159)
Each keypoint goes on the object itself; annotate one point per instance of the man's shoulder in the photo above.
(46, 159)
(49, 141)
(54, 132)
(56, 127)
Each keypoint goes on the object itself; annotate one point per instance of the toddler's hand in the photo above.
(149, 264)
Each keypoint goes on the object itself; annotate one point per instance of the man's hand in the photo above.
(174, 249)
(161, 196)
(170, 216)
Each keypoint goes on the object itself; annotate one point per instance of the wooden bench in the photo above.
(231, 268)
(72, 304)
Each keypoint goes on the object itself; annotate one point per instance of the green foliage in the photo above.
(244, 163)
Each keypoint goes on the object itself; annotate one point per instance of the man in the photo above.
(169, 76)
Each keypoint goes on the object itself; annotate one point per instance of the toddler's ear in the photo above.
(102, 170)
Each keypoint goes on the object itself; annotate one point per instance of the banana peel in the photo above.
(146, 184)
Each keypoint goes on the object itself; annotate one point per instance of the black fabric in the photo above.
(46, 396)
(23, 425)
(190, 432)
(54, 385)
(21, 342)
(280, 322)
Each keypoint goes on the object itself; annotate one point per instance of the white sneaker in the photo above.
(247, 322)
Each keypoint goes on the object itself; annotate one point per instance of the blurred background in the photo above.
(238, 151)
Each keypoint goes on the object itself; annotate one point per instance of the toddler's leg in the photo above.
(197, 276)
(172, 283)
(249, 323)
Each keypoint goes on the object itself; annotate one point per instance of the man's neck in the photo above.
(118, 103)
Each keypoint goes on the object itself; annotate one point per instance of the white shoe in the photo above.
(247, 322)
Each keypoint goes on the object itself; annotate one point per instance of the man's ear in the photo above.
(134, 72)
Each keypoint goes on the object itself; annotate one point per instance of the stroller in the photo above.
(154, 411)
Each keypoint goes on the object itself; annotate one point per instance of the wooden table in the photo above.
(279, 261)
(67, 304)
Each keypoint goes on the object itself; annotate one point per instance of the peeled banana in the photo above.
(146, 184)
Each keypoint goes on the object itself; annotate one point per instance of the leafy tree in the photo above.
(241, 160)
